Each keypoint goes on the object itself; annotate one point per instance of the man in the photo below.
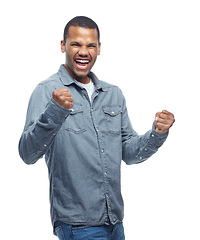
(81, 125)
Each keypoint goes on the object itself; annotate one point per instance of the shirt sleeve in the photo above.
(44, 119)
(138, 148)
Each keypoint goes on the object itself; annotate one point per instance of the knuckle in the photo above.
(68, 99)
(57, 93)
(61, 97)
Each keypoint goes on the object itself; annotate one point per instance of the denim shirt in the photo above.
(83, 148)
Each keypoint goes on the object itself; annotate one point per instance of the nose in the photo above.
(83, 52)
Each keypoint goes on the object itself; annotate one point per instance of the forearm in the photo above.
(37, 137)
(139, 148)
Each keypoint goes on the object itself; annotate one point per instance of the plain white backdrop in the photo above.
(151, 50)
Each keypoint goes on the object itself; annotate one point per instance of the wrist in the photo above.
(161, 131)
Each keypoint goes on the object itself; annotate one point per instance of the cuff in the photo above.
(56, 112)
(157, 134)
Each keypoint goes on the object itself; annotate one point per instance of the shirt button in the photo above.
(45, 145)
(145, 149)
(140, 158)
(113, 112)
(152, 135)
(102, 150)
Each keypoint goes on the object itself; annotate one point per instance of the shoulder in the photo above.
(51, 83)
(44, 89)
(53, 79)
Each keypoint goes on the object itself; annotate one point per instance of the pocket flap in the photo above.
(112, 110)
(76, 109)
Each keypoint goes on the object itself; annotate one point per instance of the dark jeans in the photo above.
(104, 232)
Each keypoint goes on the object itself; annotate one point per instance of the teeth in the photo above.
(82, 61)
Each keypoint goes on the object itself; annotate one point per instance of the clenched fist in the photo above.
(164, 120)
(63, 97)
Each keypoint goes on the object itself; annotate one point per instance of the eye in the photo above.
(75, 44)
(92, 45)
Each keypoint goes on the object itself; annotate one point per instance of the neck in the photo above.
(83, 80)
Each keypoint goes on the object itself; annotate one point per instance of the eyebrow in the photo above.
(74, 42)
(92, 44)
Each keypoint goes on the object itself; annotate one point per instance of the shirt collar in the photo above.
(68, 80)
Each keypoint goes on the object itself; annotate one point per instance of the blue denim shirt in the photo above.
(83, 148)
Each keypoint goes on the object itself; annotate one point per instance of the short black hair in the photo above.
(81, 21)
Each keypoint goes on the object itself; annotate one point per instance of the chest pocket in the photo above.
(75, 121)
(113, 116)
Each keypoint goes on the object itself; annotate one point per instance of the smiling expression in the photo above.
(82, 48)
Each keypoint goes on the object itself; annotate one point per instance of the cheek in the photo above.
(69, 58)
(94, 55)
(70, 52)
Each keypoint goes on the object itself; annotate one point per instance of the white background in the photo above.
(151, 50)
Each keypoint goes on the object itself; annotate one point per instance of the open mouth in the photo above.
(82, 64)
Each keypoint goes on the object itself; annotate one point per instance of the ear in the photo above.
(62, 44)
(99, 48)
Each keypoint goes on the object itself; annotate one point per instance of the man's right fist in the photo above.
(63, 97)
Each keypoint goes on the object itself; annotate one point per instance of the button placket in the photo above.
(107, 190)
(103, 162)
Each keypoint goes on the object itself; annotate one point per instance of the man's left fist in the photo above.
(164, 120)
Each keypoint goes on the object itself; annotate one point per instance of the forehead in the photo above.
(82, 34)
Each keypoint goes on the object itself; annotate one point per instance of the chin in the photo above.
(81, 75)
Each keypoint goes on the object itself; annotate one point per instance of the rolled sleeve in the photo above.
(41, 126)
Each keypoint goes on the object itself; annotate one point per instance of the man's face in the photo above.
(82, 48)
